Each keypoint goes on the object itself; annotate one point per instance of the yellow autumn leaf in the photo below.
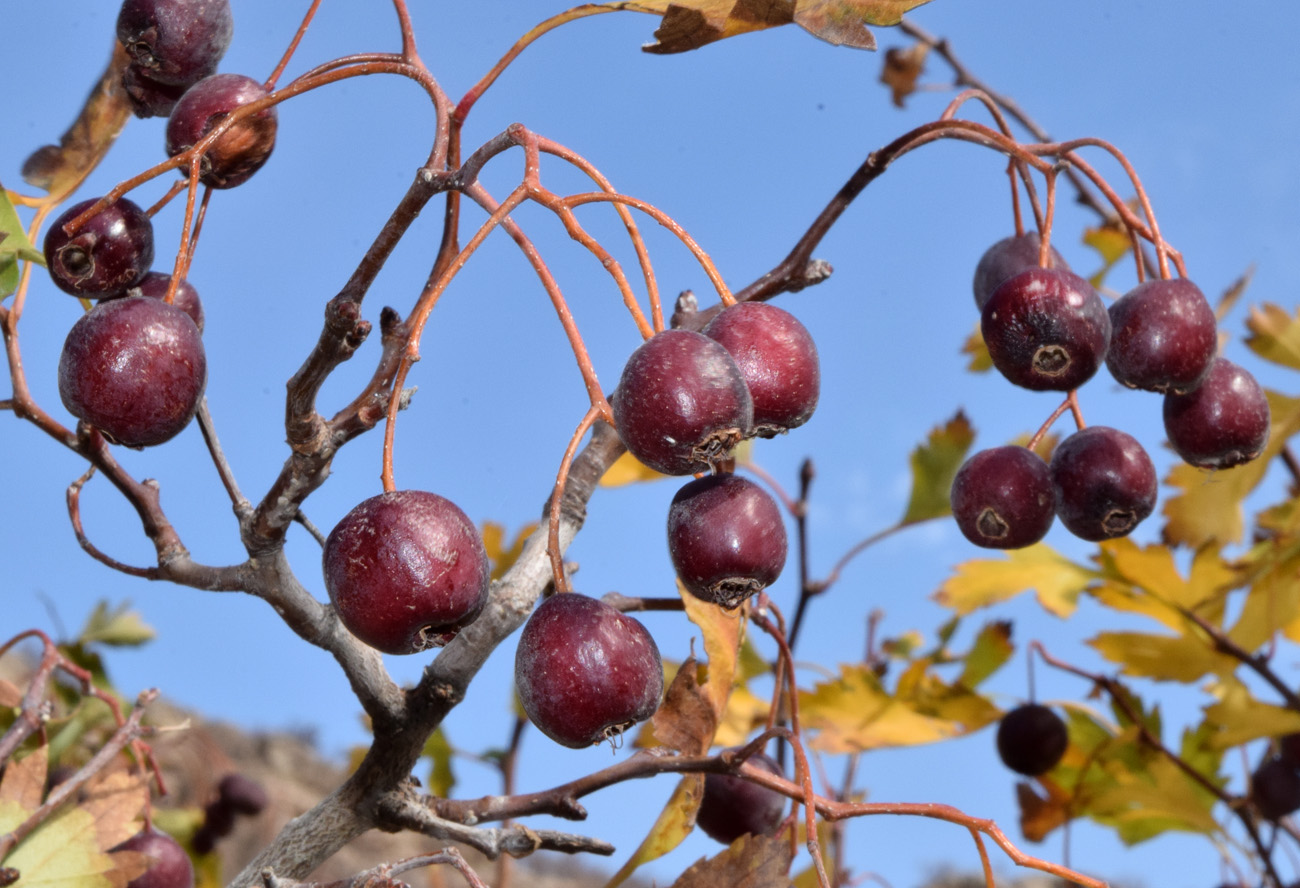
(674, 824)
(1055, 579)
(1272, 605)
(627, 469)
(745, 712)
(1145, 580)
(62, 853)
(502, 556)
(722, 630)
(980, 359)
(1183, 658)
(1275, 335)
(1144, 804)
(1112, 242)
(1238, 717)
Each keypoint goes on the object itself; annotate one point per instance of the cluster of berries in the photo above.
(1047, 329)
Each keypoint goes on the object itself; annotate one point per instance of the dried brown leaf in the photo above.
(24, 779)
(59, 169)
(116, 799)
(686, 721)
(750, 862)
(903, 67)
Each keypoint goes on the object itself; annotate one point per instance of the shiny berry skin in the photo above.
(1032, 739)
(110, 253)
(1002, 498)
(170, 866)
(1222, 423)
(406, 570)
(682, 403)
(154, 285)
(175, 42)
(1007, 257)
(778, 360)
(238, 152)
(1105, 483)
(726, 538)
(1163, 336)
(135, 369)
(149, 98)
(732, 806)
(1275, 789)
(586, 672)
(1046, 329)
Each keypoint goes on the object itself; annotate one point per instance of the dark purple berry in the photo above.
(586, 672)
(1222, 423)
(726, 538)
(218, 818)
(1046, 329)
(170, 866)
(1105, 483)
(1002, 498)
(732, 806)
(135, 369)
(149, 98)
(681, 404)
(778, 360)
(154, 285)
(1288, 749)
(175, 42)
(1163, 336)
(1032, 739)
(111, 251)
(1275, 789)
(406, 570)
(243, 794)
(238, 152)
(1007, 257)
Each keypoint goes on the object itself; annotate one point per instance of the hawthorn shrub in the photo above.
(746, 731)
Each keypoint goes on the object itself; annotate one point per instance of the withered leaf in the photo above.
(902, 69)
(686, 721)
(750, 862)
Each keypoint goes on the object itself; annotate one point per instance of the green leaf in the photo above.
(992, 649)
(14, 246)
(117, 627)
(934, 464)
(984, 582)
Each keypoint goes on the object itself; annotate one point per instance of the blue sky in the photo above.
(742, 142)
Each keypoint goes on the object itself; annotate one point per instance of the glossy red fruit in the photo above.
(1032, 739)
(586, 672)
(732, 806)
(1046, 329)
(1223, 423)
(135, 369)
(1007, 257)
(154, 285)
(1105, 483)
(406, 570)
(175, 42)
(1275, 789)
(238, 152)
(110, 252)
(149, 98)
(778, 360)
(171, 867)
(1163, 336)
(1002, 498)
(681, 404)
(726, 538)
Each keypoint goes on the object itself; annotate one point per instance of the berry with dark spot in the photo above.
(1105, 483)
(1002, 498)
(111, 251)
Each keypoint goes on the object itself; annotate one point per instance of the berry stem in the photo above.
(176, 189)
(1045, 233)
(553, 549)
(1051, 420)
(297, 38)
(74, 515)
